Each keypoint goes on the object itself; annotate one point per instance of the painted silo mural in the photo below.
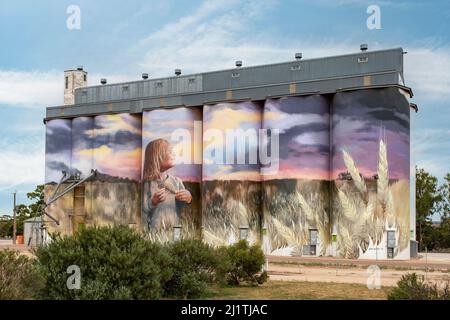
(296, 193)
(171, 172)
(231, 184)
(370, 172)
(58, 149)
(114, 193)
(82, 143)
(321, 175)
(58, 153)
(82, 166)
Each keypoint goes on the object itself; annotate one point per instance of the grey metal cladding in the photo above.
(140, 89)
(321, 75)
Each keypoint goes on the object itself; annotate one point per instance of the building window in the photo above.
(363, 59)
(84, 78)
(67, 82)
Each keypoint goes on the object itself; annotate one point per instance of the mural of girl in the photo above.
(164, 195)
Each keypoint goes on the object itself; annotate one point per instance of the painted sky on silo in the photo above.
(117, 145)
(304, 144)
(218, 119)
(360, 120)
(58, 149)
(82, 142)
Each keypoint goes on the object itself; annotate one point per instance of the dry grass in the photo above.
(290, 211)
(296, 290)
(228, 205)
(363, 217)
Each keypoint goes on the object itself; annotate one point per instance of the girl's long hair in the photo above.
(155, 154)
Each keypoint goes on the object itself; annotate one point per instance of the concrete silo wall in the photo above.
(176, 132)
(114, 194)
(296, 192)
(58, 153)
(323, 175)
(370, 172)
(231, 186)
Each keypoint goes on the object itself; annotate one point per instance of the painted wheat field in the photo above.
(227, 206)
(359, 211)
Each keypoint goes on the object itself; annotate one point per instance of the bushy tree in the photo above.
(241, 263)
(193, 265)
(19, 278)
(115, 263)
(427, 203)
(413, 287)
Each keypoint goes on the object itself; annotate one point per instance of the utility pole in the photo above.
(14, 219)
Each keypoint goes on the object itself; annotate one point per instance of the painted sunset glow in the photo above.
(117, 145)
(360, 120)
(182, 128)
(107, 143)
(303, 124)
(230, 116)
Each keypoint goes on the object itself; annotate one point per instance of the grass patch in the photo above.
(300, 290)
(344, 265)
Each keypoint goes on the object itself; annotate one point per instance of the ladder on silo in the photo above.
(74, 180)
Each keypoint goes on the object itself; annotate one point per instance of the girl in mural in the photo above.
(164, 194)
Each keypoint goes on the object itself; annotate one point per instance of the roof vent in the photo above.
(177, 72)
(103, 81)
(145, 76)
(364, 47)
(238, 63)
(80, 68)
(298, 56)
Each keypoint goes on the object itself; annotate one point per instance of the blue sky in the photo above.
(121, 39)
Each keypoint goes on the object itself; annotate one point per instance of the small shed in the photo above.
(34, 231)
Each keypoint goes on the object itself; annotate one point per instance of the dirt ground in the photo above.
(359, 275)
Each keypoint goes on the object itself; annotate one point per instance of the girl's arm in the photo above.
(180, 187)
(147, 206)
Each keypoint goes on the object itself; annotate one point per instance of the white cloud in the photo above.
(21, 162)
(41, 89)
(217, 34)
(31, 88)
(427, 72)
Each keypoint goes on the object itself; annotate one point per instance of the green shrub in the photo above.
(115, 263)
(19, 278)
(241, 263)
(193, 266)
(118, 263)
(413, 287)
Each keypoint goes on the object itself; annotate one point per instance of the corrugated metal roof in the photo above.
(320, 75)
